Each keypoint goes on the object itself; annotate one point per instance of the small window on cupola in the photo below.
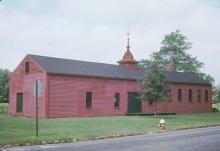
(27, 67)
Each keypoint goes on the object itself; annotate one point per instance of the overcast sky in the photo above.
(95, 30)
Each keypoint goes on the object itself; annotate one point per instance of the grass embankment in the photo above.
(17, 130)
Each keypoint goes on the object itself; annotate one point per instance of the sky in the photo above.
(95, 30)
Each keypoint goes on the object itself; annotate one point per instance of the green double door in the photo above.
(134, 102)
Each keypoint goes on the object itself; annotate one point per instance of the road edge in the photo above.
(44, 142)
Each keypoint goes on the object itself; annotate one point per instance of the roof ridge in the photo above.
(76, 67)
(72, 60)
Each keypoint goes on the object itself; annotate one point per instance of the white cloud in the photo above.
(95, 30)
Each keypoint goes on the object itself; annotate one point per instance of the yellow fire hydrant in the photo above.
(162, 124)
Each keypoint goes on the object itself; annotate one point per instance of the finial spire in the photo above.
(128, 45)
(128, 60)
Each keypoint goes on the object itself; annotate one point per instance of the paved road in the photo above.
(202, 139)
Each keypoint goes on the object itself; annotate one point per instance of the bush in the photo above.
(3, 108)
(215, 110)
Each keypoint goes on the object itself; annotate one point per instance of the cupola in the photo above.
(128, 60)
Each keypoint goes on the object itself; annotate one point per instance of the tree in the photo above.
(155, 89)
(174, 50)
(4, 85)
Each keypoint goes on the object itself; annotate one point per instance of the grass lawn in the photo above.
(15, 130)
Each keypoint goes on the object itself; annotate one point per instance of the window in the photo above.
(180, 96)
(88, 99)
(206, 95)
(190, 95)
(19, 102)
(117, 100)
(199, 95)
(27, 67)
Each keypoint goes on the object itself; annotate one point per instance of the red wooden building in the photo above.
(73, 88)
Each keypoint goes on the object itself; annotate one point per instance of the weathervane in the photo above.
(128, 46)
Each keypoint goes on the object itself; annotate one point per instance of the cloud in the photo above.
(95, 30)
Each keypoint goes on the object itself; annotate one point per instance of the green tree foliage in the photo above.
(155, 89)
(206, 77)
(4, 85)
(174, 50)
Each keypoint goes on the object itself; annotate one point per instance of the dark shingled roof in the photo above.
(185, 77)
(75, 67)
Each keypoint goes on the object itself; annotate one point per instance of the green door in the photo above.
(134, 102)
(19, 102)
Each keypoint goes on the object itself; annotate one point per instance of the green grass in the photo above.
(15, 130)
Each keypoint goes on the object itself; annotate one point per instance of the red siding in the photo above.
(67, 96)
(21, 82)
(64, 96)
(185, 106)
